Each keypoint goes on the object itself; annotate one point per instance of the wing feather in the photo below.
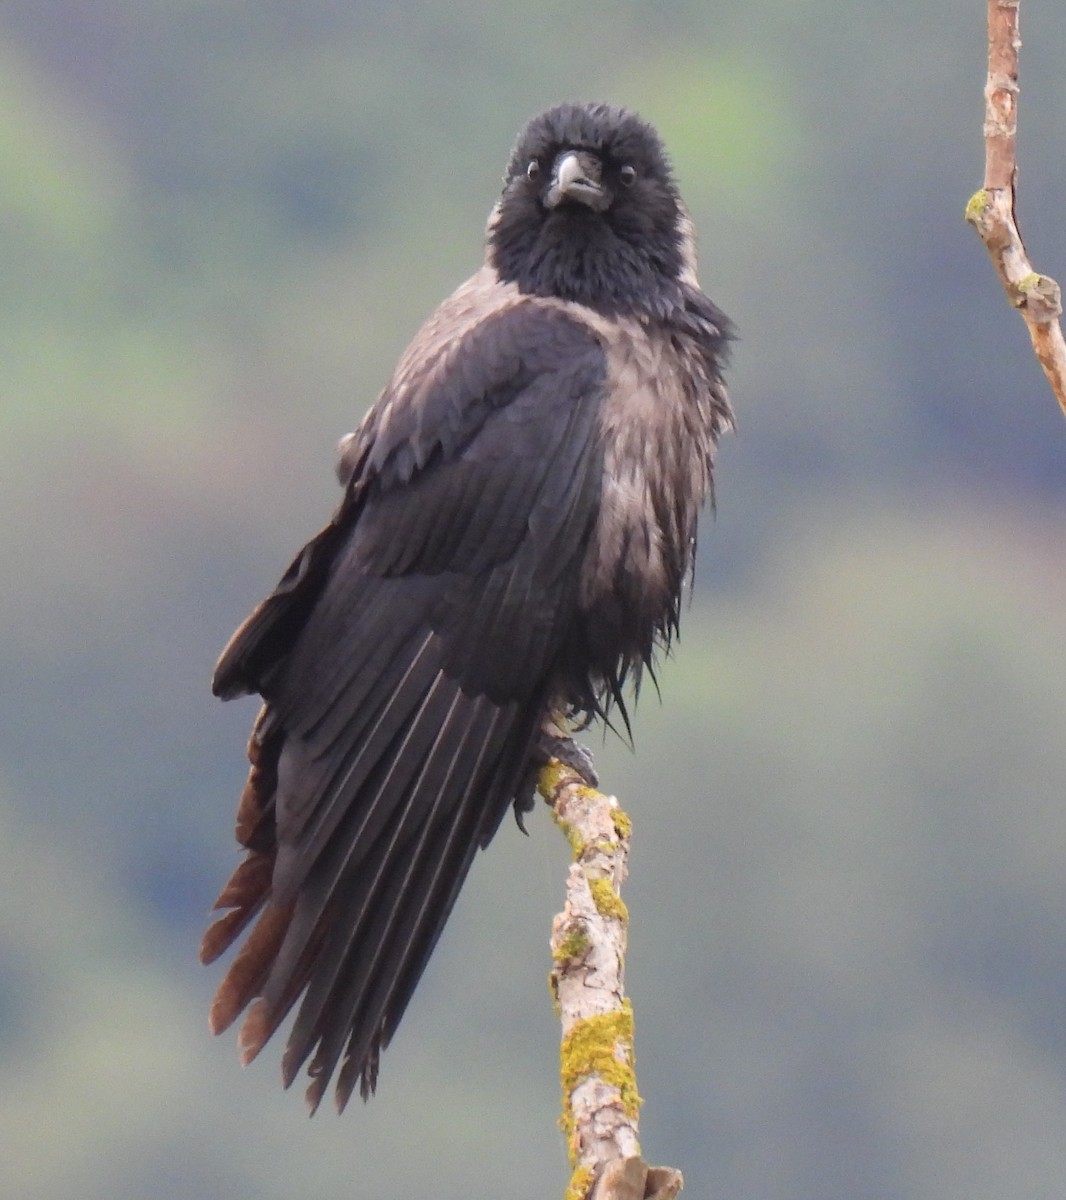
(405, 661)
(399, 914)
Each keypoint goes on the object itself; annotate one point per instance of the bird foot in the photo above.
(552, 742)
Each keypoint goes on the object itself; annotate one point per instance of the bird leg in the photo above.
(552, 741)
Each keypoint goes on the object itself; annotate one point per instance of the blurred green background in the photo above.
(219, 226)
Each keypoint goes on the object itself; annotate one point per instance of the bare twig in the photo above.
(991, 210)
(588, 942)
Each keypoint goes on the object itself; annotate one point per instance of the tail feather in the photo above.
(400, 920)
(441, 873)
(358, 889)
(248, 888)
(244, 894)
(250, 968)
(350, 908)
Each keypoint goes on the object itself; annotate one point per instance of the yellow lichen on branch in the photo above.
(601, 1103)
(601, 1047)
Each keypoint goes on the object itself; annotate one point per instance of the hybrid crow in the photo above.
(517, 527)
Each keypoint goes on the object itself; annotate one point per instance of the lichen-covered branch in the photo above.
(991, 210)
(588, 943)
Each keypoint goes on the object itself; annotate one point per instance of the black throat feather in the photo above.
(625, 260)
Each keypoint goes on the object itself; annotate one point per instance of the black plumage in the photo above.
(517, 527)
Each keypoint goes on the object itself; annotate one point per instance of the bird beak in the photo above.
(576, 176)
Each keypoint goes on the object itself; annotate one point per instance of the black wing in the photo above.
(405, 662)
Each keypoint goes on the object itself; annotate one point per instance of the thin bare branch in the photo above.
(991, 210)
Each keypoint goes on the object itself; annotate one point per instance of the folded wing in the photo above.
(405, 662)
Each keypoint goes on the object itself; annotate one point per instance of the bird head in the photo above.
(590, 212)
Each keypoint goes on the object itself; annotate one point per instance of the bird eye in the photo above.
(627, 176)
(533, 170)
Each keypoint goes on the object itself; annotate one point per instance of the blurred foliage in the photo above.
(219, 226)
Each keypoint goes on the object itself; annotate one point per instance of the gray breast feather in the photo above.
(660, 420)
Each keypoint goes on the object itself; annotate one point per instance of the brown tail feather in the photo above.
(245, 893)
(255, 811)
(247, 973)
(248, 884)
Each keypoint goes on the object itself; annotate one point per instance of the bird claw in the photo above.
(560, 746)
(551, 743)
(524, 799)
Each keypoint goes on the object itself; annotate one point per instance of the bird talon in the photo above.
(571, 754)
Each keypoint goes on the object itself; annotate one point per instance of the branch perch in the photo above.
(991, 210)
(588, 944)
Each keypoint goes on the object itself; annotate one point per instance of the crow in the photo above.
(517, 528)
